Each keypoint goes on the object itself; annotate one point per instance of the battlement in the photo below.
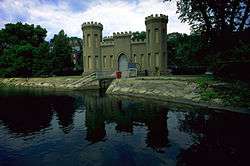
(108, 38)
(138, 41)
(107, 43)
(156, 17)
(92, 24)
(122, 34)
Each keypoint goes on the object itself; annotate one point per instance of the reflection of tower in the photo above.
(94, 119)
(123, 119)
(156, 31)
(92, 36)
(157, 136)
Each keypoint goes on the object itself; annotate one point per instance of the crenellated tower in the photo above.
(92, 37)
(156, 42)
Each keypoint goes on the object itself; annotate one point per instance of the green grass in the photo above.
(235, 94)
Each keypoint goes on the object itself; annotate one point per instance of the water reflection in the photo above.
(90, 128)
(30, 114)
(125, 115)
(222, 139)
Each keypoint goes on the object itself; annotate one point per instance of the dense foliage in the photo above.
(24, 52)
(61, 54)
(224, 28)
(138, 35)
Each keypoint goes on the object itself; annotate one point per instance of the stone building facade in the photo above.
(119, 52)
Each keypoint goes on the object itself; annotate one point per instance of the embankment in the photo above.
(65, 83)
(180, 89)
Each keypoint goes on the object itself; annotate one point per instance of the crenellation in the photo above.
(107, 43)
(108, 38)
(104, 53)
(156, 17)
(138, 41)
(122, 34)
(92, 24)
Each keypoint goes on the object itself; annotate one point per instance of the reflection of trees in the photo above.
(101, 110)
(224, 139)
(64, 106)
(27, 114)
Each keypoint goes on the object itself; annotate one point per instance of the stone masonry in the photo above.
(119, 52)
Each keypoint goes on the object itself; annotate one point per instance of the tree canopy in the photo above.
(24, 52)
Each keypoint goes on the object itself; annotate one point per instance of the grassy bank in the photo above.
(202, 90)
(228, 93)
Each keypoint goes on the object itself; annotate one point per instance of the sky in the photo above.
(115, 15)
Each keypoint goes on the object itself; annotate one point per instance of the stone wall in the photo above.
(102, 54)
(171, 88)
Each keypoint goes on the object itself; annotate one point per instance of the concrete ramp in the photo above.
(94, 80)
(86, 82)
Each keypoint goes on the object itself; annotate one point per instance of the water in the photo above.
(88, 128)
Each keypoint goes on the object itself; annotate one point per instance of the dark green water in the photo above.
(89, 128)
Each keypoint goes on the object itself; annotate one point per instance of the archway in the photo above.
(123, 63)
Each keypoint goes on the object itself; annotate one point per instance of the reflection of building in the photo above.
(102, 110)
(158, 132)
(118, 51)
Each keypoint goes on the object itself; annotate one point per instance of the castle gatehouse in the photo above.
(120, 53)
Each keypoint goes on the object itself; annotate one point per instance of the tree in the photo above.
(17, 61)
(16, 34)
(42, 60)
(19, 45)
(184, 50)
(61, 54)
(216, 19)
(138, 35)
(77, 49)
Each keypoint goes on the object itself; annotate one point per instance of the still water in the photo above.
(88, 128)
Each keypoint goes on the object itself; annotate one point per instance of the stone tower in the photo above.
(156, 31)
(92, 36)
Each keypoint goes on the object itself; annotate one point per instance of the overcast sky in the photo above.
(115, 15)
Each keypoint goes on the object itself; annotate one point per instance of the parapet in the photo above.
(92, 24)
(108, 38)
(107, 43)
(122, 34)
(139, 41)
(157, 17)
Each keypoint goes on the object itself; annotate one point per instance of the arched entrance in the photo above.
(123, 63)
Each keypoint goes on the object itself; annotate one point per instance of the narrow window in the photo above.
(149, 60)
(157, 35)
(135, 58)
(111, 61)
(148, 36)
(157, 59)
(88, 40)
(104, 61)
(96, 40)
(96, 62)
(142, 60)
(89, 64)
